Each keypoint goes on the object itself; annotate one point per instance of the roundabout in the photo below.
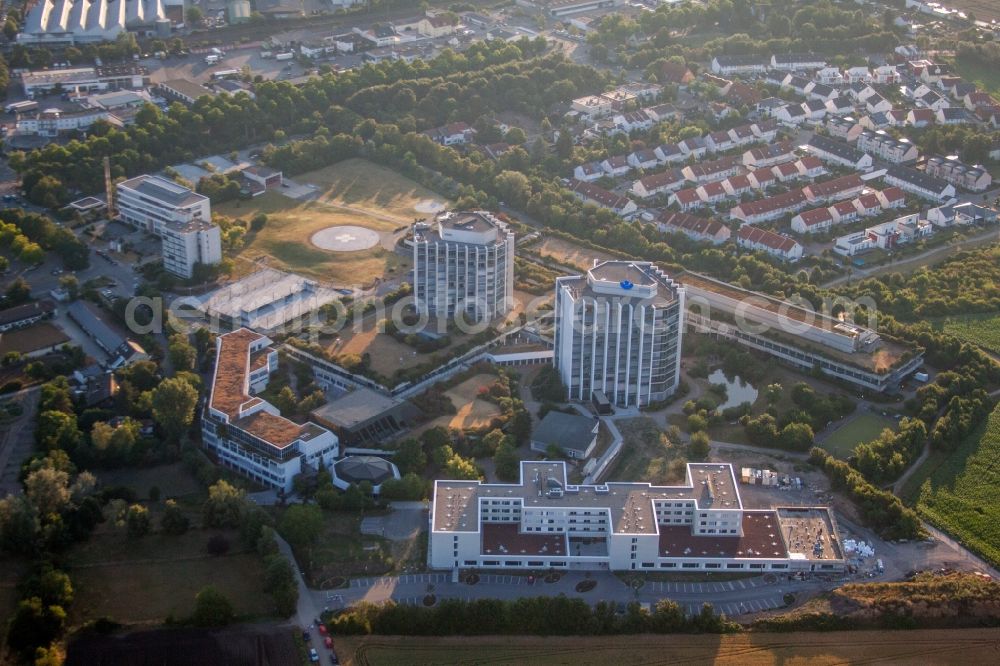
(345, 238)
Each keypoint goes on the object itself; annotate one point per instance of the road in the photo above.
(17, 441)
(927, 257)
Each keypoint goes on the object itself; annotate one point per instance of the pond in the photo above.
(737, 390)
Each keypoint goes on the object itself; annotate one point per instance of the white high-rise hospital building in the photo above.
(618, 331)
(463, 262)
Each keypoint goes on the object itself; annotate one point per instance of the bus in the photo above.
(21, 107)
(225, 74)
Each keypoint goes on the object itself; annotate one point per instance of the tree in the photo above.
(34, 624)
(564, 144)
(285, 401)
(489, 444)
(137, 521)
(280, 583)
(515, 136)
(224, 505)
(796, 437)
(173, 521)
(773, 393)
(182, 354)
(506, 462)
(53, 586)
(211, 608)
(194, 15)
(18, 292)
(410, 457)
(699, 447)
(48, 490)
(174, 401)
(513, 187)
(19, 524)
(301, 524)
(10, 29)
(71, 285)
(57, 430)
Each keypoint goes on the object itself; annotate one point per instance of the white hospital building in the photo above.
(618, 333)
(463, 262)
(543, 522)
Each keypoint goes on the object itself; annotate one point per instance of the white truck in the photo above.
(211, 59)
(284, 56)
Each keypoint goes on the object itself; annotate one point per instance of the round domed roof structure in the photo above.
(374, 470)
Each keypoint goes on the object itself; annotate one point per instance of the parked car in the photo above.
(328, 642)
(313, 655)
(305, 635)
(322, 627)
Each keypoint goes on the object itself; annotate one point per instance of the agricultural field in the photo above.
(817, 649)
(146, 580)
(646, 453)
(960, 492)
(862, 428)
(983, 10)
(355, 192)
(982, 330)
(473, 412)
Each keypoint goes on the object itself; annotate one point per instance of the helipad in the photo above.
(345, 238)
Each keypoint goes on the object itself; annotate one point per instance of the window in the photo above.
(511, 563)
(734, 566)
(756, 566)
(690, 565)
(668, 565)
(470, 563)
(491, 563)
(713, 565)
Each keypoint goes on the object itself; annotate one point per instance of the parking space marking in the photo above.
(742, 584)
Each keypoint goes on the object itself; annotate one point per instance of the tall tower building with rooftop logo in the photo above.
(463, 262)
(618, 333)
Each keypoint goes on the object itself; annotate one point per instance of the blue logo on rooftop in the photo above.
(625, 284)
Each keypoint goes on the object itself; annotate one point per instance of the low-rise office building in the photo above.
(149, 202)
(247, 433)
(800, 337)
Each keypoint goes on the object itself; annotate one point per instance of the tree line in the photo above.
(217, 124)
(531, 616)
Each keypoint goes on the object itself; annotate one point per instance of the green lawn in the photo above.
(987, 78)
(353, 192)
(982, 330)
(149, 579)
(862, 428)
(646, 453)
(960, 492)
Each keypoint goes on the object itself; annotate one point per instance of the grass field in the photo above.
(354, 192)
(862, 428)
(473, 412)
(387, 354)
(646, 453)
(960, 492)
(570, 254)
(341, 550)
(983, 76)
(174, 480)
(815, 649)
(982, 330)
(146, 580)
